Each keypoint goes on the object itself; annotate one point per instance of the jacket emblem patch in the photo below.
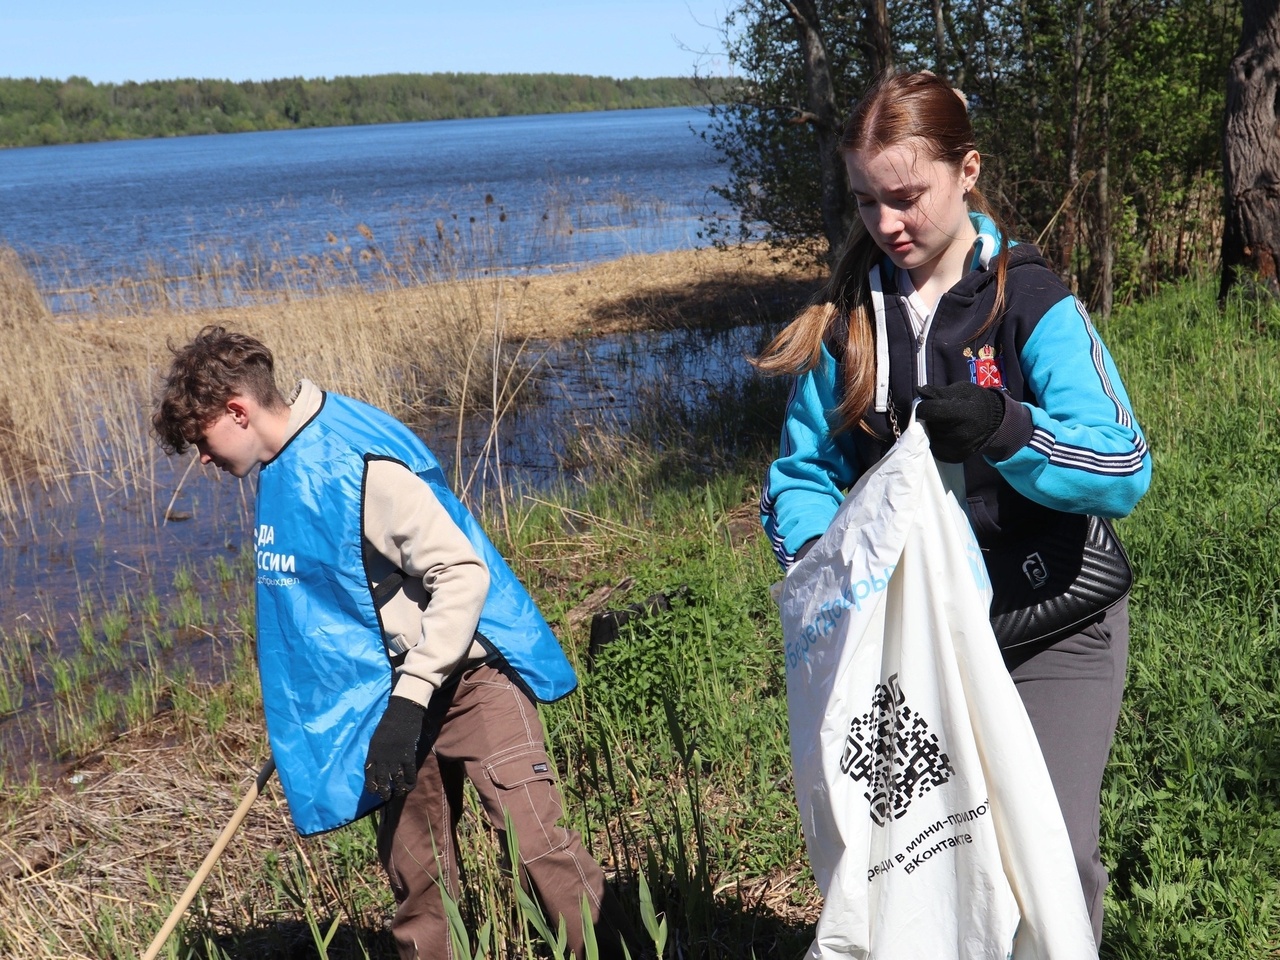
(985, 369)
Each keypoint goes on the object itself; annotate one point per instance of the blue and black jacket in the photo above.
(1069, 441)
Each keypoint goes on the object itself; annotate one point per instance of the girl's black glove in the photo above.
(392, 767)
(960, 418)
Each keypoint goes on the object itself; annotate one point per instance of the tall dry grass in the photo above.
(446, 341)
(78, 391)
(68, 401)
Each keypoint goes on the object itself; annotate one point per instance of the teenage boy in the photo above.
(397, 650)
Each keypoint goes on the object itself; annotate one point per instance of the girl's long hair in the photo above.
(919, 108)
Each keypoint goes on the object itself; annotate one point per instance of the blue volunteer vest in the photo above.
(326, 674)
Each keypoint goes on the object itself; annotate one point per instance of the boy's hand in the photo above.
(391, 769)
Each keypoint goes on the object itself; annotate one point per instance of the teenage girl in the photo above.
(929, 300)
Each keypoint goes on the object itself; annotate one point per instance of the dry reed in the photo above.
(78, 388)
(141, 818)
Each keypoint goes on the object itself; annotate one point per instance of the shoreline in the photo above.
(703, 287)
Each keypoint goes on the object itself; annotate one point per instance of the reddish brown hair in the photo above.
(916, 108)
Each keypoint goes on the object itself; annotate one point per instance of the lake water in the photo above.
(525, 191)
(558, 188)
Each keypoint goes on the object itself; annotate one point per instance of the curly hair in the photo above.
(204, 375)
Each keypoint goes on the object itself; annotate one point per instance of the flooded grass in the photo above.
(100, 532)
(115, 667)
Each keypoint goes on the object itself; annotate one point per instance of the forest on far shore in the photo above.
(46, 111)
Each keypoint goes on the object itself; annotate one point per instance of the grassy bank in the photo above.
(1192, 800)
(674, 753)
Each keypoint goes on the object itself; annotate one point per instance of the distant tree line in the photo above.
(75, 110)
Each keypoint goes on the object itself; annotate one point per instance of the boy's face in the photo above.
(229, 443)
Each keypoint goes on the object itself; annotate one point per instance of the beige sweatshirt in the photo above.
(429, 583)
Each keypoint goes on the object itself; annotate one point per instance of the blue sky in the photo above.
(117, 40)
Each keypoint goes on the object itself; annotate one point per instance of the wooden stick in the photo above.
(215, 852)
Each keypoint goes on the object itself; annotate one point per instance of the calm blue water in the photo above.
(562, 188)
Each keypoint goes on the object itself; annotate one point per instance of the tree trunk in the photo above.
(960, 60)
(879, 41)
(940, 43)
(1251, 152)
(1075, 132)
(1029, 64)
(824, 116)
(1105, 248)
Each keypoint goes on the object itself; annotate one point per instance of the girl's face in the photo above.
(915, 208)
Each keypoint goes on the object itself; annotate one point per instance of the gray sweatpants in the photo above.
(1072, 692)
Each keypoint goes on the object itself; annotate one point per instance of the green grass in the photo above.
(15, 668)
(674, 754)
(1191, 803)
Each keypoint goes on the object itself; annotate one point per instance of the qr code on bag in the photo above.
(891, 749)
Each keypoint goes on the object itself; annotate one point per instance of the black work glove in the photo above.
(960, 418)
(392, 767)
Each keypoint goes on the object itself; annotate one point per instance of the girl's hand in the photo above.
(960, 418)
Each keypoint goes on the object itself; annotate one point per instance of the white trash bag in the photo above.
(931, 823)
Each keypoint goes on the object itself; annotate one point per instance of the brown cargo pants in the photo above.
(485, 728)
